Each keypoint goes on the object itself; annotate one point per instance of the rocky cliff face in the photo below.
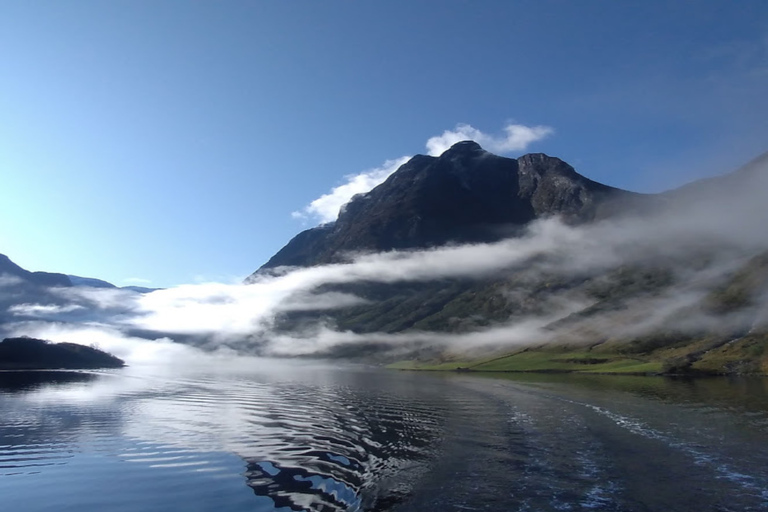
(465, 195)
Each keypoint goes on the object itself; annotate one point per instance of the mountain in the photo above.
(465, 195)
(674, 280)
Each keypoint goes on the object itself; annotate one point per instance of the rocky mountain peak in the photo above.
(463, 148)
(543, 163)
(466, 195)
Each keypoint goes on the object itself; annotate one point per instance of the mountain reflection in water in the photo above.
(267, 435)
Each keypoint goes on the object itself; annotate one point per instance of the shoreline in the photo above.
(699, 374)
(666, 362)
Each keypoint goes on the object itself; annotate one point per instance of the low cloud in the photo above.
(326, 341)
(101, 298)
(243, 316)
(516, 137)
(227, 314)
(9, 280)
(110, 338)
(42, 309)
(700, 237)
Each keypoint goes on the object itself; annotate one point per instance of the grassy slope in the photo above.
(726, 351)
(546, 360)
(746, 355)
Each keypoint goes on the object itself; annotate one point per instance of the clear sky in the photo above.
(164, 142)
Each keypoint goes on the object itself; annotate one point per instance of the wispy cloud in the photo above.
(516, 137)
(237, 315)
(134, 350)
(9, 280)
(326, 207)
(114, 299)
(42, 309)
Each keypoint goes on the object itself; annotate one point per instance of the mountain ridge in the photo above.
(466, 195)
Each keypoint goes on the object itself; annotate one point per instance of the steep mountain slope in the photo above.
(465, 195)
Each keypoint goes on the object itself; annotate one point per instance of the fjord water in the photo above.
(268, 435)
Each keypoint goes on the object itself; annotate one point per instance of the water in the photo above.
(267, 435)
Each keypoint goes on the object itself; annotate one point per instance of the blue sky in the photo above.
(159, 143)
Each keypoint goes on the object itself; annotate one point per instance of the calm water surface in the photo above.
(269, 435)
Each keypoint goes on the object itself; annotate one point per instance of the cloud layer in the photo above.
(242, 317)
(700, 236)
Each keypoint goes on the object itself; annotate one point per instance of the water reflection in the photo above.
(312, 439)
(255, 435)
(27, 381)
(744, 395)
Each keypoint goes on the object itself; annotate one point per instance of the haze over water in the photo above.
(269, 435)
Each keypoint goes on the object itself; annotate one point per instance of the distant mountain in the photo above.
(46, 296)
(728, 187)
(140, 289)
(90, 282)
(9, 268)
(19, 287)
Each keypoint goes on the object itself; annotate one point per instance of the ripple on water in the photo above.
(302, 445)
